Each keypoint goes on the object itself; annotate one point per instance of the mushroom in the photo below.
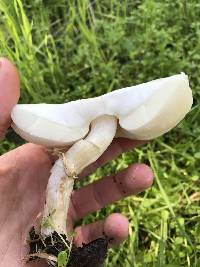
(86, 127)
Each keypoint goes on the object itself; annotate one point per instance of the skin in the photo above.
(24, 174)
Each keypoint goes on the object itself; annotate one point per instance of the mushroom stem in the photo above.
(66, 170)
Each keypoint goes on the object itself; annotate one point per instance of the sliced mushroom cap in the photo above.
(144, 112)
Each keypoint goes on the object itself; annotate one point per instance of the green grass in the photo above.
(66, 50)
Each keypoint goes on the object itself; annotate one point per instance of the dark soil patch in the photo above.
(89, 255)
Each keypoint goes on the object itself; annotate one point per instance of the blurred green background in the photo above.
(66, 50)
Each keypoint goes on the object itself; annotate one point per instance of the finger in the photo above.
(114, 227)
(118, 146)
(110, 189)
(9, 92)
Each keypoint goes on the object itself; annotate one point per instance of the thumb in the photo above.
(9, 92)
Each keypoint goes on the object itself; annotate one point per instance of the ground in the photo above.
(66, 50)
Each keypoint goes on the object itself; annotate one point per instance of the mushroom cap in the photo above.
(144, 111)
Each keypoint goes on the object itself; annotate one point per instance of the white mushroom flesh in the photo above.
(144, 111)
(63, 173)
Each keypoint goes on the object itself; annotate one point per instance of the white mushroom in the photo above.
(140, 112)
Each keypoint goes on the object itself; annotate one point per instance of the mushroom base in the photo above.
(92, 254)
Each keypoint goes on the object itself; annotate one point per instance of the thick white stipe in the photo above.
(61, 181)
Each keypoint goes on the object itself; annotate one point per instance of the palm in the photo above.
(23, 178)
(24, 174)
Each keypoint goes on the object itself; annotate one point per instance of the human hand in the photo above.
(24, 174)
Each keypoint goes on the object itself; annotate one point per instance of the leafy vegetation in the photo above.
(66, 50)
(62, 258)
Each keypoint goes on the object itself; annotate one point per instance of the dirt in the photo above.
(92, 254)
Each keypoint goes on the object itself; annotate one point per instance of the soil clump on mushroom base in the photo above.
(92, 254)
